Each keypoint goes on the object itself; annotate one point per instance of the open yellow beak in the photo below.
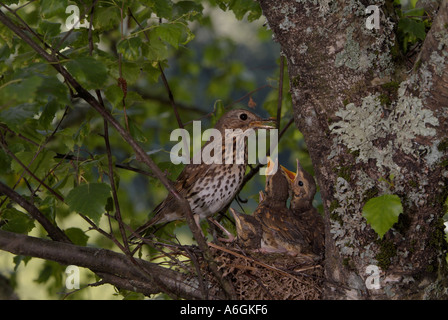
(271, 166)
(289, 174)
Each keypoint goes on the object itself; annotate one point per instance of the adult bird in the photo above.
(210, 187)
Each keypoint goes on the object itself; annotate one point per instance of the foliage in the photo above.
(413, 24)
(382, 212)
(53, 148)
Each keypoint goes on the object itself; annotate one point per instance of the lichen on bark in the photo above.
(359, 107)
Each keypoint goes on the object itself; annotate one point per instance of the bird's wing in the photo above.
(281, 223)
(189, 175)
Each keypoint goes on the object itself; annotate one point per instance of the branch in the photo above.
(12, 155)
(115, 268)
(70, 157)
(163, 100)
(53, 231)
(140, 153)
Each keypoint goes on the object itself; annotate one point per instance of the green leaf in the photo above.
(17, 221)
(49, 29)
(156, 50)
(241, 7)
(163, 8)
(136, 132)
(5, 163)
(130, 70)
(51, 8)
(77, 236)
(89, 72)
(152, 72)
(89, 199)
(18, 259)
(218, 111)
(114, 94)
(22, 90)
(108, 19)
(412, 27)
(40, 166)
(130, 48)
(16, 116)
(170, 32)
(416, 12)
(382, 212)
(183, 7)
(48, 208)
(48, 113)
(9, 2)
(50, 88)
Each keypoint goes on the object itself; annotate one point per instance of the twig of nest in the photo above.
(257, 276)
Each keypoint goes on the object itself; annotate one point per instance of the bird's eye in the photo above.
(243, 116)
(300, 183)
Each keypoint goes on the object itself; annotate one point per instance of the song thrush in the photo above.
(210, 187)
(303, 190)
(281, 232)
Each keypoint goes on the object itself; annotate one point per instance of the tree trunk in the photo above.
(373, 126)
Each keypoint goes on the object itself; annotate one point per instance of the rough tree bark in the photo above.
(372, 127)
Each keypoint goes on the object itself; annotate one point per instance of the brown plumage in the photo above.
(211, 187)
(281, 232)
(248, 230)
(303, 189)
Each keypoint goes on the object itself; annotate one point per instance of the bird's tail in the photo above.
(158, 218)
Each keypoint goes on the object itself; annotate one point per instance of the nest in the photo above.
(257, 276)
(254, 275)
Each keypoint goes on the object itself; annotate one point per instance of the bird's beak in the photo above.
(263, 124)
(235, 216)
(261, 196)
(299, 167)
(271, 166)
(289, 174)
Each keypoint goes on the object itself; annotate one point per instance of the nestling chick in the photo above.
(248, 230)
(303, 189)
(281, 233)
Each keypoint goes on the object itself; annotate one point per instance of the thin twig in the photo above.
(170, 96)
(117, 165)
(113, 186)
(4, 126)
(252, 260)
(12, 155)
(247, 95)
(39, 150)
(53, 231)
